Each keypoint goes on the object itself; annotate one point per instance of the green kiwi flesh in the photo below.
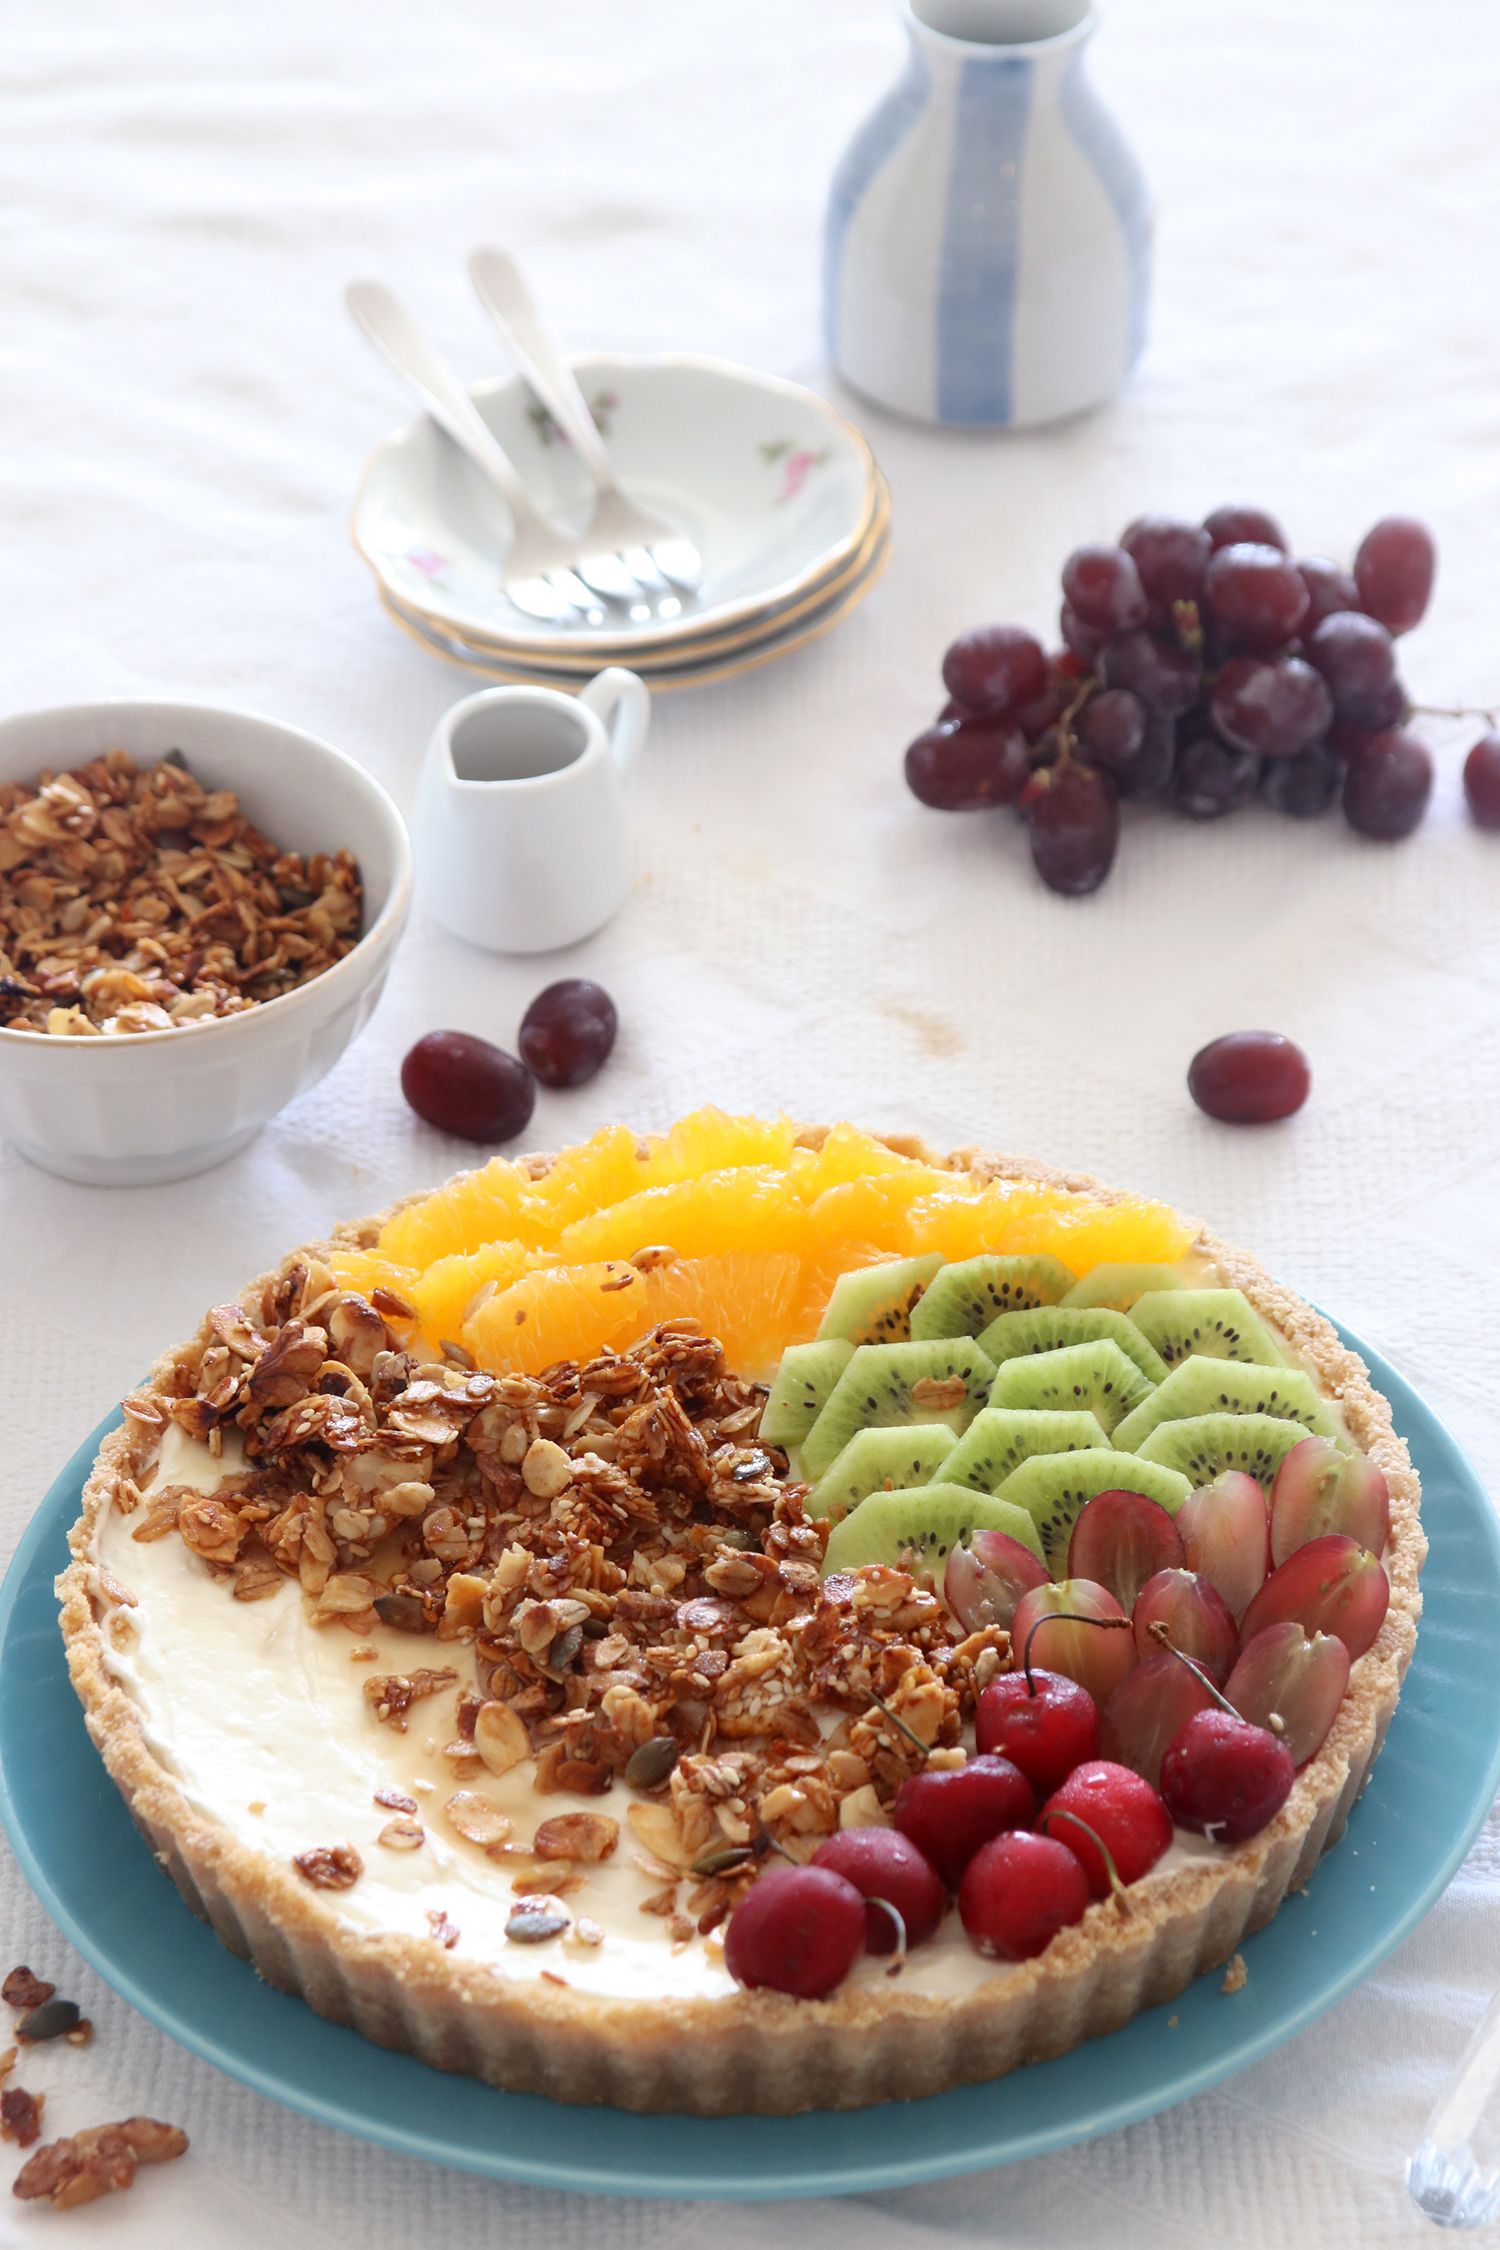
(1116, 1286)
(884, 1386)
(1000, 1439)
(1047, 1328)
(967, 1296)
(923, 1526)
(1211, 1323)
(1204, 1446)
(876, 1459)
(1093, 1378)
(873, 1304)
(804, 1379)
(1054, 1488)
(1198, 1386)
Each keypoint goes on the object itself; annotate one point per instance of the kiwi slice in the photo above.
(875, 1459)
(923, 1526)
(886, 1386)
(873, 1304)
(1054, 1489)
(804, 1379)
(1213, 1323)
(1116, 1286)
(1047, 1328)
(966, 1297)
(1204, 1445)
(1198, 1386)
(1000, 1439)
(1096, 1378)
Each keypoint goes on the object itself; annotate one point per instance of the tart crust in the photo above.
(759, 2052)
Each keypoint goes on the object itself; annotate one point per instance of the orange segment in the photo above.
(365, 1270)
(445, 1295)
(748, 1302)
(744, 1209)
(709, 1140)
(558, 1312)
(591, 1177)
(474, 1208)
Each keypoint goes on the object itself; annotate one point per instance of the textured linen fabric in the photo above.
(184, 187)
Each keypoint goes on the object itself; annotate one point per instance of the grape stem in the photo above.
(1058, 1617)
(1456, 711)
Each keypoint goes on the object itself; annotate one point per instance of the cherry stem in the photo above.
(1159, 1632)
(1061, 1617)
(1061, 1812)
(1455, 711)
(899, 1919)
(897, 1721)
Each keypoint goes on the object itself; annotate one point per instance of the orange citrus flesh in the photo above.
(746, 1231)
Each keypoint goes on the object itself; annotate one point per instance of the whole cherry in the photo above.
(890, 1872)
(797, 1930)
(1018, 1891)
(949, 1812)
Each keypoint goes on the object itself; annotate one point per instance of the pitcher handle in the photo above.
(623, 701)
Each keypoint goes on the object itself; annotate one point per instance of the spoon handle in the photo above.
(392, 331)
(508, 301)
(1455, 2175)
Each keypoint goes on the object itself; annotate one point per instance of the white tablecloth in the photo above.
(184, 188)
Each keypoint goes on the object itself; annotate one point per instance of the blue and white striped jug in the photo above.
(987, 254)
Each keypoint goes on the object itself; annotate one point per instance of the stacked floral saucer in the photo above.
(781, 497)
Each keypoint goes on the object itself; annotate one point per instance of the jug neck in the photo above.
(951, 34)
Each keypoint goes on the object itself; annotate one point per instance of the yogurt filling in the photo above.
(261, 1719)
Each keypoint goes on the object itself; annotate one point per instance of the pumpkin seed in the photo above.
(533, 1925)
(652, 1762)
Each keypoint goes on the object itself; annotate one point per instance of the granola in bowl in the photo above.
(132, 899)
(552, 1664)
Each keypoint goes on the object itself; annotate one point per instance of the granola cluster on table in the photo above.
(600, 1568)
(132, 899)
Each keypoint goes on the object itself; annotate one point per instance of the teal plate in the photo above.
(1431, 1788)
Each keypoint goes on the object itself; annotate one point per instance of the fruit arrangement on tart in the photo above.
(629, 1619)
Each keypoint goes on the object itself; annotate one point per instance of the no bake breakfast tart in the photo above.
(754, 1619)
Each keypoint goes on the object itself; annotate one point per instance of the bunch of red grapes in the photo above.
(1204, 665)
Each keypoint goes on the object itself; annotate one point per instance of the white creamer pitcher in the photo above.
(521, 829)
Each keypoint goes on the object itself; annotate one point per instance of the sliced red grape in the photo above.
(984, 1581)
(1120, 1540)
(1303, 786)
(464, 1085)
(1482, 781)
(1148, 1710)
(962, 765)
(1331, 1585)
(1250, 1078)
(1103, 587)
(1166, 677)
(1387, 787)
(1225, 1778)
(1097, 1656)
(1255, 593)
(1319, 1489)
(1357, 658)
(1209, 778)
(1225, 1529)
(568, 1031)
(995, 668)
(1329, 587)
(1283, 1675)
(1274, 708)
(1074, 822)
(1196, 1616)
(1170, 556)
(1394, 570)
(1238, 525)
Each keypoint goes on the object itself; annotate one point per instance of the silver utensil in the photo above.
(659, 556)
(1455, 2175)
(539, 574)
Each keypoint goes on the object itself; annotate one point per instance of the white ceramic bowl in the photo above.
(773, 487)
(158, 1105)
